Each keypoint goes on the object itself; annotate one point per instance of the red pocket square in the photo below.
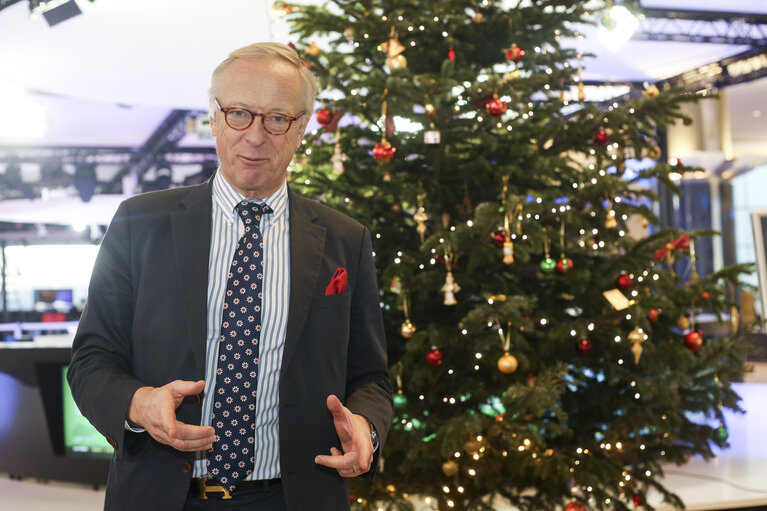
(337, 283)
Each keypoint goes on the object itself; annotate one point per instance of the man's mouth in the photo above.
(254, 159)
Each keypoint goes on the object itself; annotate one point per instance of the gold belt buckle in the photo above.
(206, 488)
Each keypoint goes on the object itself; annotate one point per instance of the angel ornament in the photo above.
(450, 288)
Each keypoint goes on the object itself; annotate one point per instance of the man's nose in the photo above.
(256, 134)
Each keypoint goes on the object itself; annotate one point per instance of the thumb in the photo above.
(180, 388)
(335, 407)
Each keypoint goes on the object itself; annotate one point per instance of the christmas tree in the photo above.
(540, 354)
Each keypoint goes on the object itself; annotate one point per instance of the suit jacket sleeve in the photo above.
(99, 372)
(369, 390)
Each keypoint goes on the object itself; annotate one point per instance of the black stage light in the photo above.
(85, 181)
(7, 3)
(55, 11)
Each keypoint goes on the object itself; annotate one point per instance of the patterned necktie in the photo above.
(232, 459)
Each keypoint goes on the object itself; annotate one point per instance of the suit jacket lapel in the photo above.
(190, 227)
(307, 243)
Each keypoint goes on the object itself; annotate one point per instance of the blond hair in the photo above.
(269, 50)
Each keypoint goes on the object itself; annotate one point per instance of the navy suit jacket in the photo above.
(145, 324)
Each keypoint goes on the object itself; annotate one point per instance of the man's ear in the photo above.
(213, 126)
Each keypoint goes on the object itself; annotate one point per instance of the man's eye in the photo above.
(239, 113)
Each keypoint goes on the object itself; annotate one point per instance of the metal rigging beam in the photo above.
(718, 27)
(170, 131)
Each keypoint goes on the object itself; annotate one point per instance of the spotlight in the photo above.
(54, 11)
(86, 181)
(163, 179)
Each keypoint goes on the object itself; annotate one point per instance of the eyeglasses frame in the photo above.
(253, 116)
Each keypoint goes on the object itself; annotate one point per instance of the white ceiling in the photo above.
(110, 75)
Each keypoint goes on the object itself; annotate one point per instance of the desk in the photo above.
(27, 446)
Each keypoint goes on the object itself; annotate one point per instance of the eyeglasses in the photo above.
(240, 119)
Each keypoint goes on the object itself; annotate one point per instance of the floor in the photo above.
(736, 479)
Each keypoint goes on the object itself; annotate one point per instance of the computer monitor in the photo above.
(80, 437)
(53, 300)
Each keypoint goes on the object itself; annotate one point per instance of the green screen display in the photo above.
(80, 437)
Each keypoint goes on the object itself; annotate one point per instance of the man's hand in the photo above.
(154, 409)
(354, 432)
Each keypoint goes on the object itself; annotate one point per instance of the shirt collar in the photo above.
(226, 197)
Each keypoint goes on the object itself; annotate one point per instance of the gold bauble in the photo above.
(313, 50)
(683, 323)
(636, 335)
(396, 62)
(471, 447)
(450, 468)
(653, 152)
(651, 91)
(507, 364)
(407, 329)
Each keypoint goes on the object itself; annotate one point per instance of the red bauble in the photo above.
(601, 137)
(434, 357)
(451, 53)
(499, 238)
(694, 340)
(515, 53)
(706, 295)
(638, 500)
(653, 315)
(624, 281)
(323, 116)
(496, 107)
(575, 506)
(564, 265)
(384, 151)
(584, 346)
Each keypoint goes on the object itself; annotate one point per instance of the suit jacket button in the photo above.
(111, 441)
(186, 468)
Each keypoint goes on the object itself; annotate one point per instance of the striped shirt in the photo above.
(226, 229)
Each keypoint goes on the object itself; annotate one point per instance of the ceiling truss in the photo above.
(716, 27)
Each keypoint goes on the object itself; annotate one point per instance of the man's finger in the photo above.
(338, 461)
(192, 432)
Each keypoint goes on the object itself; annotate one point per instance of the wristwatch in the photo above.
(374, 436)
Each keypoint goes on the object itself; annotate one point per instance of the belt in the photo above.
(203, 488)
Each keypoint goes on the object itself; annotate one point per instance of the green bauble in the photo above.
(400, 400)
(548, 265)
(721, 434)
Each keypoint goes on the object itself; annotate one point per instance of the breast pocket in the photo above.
(341, 301)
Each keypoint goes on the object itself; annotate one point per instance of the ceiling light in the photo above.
(30, 120)
(617, 26)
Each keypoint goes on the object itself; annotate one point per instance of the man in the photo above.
(149, 366)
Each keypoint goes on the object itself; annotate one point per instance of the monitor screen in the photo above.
(53, 300)
(80, 437)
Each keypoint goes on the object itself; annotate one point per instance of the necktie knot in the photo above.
(252, 210)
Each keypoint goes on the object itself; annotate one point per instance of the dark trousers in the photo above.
(267, 499)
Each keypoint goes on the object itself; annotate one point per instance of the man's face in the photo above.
(253, 161)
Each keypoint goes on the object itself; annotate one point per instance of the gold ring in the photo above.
(355, 468)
